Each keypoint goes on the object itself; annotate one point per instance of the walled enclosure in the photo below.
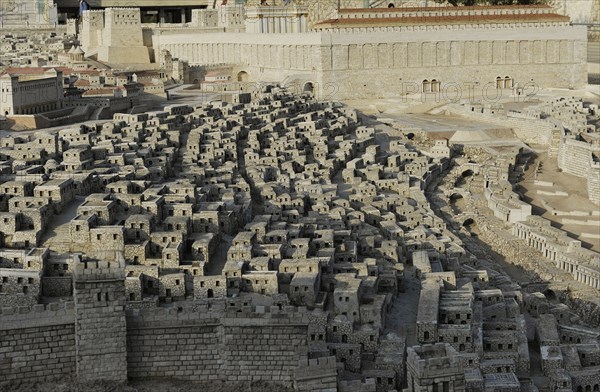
(341, 65)
(197, 341)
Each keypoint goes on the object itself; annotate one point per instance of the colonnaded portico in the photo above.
(349, 62)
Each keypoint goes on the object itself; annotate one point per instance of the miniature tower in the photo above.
(92, 23)
(122, 37)
(100, 326)
(434, 367)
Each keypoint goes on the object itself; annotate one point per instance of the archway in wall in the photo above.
(454, 197)
(467, 173)
(243, 76)
(426, 86)
(471, 227)
(462, 180)
(499, 83)
(551, 295)
(196, 82)
(309, 87)
(456, 202)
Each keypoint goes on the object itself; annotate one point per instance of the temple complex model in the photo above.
(408, 47)
(299, 197)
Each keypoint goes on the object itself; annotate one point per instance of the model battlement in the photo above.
(37, 315)
(89, 269)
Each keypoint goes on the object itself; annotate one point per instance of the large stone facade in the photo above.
(114, 35)
(390, 58)
(31, 91)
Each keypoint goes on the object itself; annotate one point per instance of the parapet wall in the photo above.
(37, 316)
(199, 340)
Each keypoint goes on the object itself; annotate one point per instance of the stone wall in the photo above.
(593, 182)
(57, 286)
(38, 354)
(529, 130)
(343, 65)
(186, 352)
(575, 156)
(197, 341)
(37, 344)
(210, 345)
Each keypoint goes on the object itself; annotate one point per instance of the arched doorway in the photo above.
(470, 225)
(309, 87)
(454, 197)
(242, 76)
(550, 295)
(467, 173)
(456, 201)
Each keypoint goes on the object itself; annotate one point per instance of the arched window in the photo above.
(435, 86)
(508, 82)
(242, 76)
(499, 82)
(426, 86)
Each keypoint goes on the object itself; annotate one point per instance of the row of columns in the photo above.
(537, 243)
(587, 279)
